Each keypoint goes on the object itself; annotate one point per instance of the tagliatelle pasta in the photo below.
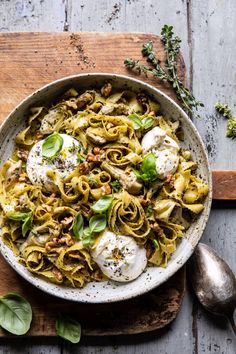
(53, 217)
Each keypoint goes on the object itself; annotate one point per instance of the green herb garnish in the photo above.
(78, 226)
(26, 218)
(52, 145)
(147, 172)
(68, 329)
(169, 72)
(141, 123)
(15, 314)
(149, 210)
(116, 186)
(97, 223)
(156, 244)
(227, 113)
(80, 158)
(103, 204)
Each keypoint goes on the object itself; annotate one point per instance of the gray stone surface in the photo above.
(207, 29)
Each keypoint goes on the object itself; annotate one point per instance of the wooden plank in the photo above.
(30, 60)
(214, 70)
(34, 15)
(224, 184)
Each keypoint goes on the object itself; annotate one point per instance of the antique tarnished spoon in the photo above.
(213, 282)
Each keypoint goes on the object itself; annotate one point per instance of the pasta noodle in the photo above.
(43, 226)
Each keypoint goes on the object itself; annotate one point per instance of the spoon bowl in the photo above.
(213, 282)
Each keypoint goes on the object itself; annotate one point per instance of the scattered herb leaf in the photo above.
(116, 186)
(103, 204)
(80, 158)
(26, 218)
(156, 244)
(68, 329)
(78, 226)
(97, 223)
(169, 73)
(147, 172)
(227, 113)
(52, 145)
(15, 314)
(139, 122)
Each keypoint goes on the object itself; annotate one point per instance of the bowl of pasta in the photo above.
(105, 188)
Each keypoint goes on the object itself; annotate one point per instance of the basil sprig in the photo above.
(26, 218)
(141, 123)
(15, 314)
(103, 204)
(97, 223)
(68, 329)
(52, 145)
(78, 226)
(147, 172)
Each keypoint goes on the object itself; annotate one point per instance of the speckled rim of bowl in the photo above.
(100, 296)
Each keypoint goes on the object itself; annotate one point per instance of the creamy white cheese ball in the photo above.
(120, 258)
(165, 149)
(37, 166)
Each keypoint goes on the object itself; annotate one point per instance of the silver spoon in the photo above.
(213, 282)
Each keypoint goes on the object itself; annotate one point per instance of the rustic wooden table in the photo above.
(207, 29)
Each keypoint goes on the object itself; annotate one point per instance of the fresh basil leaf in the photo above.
(136, 119)
(68, 329)
(26, 218)
(149, 163)
(147, 122)
(97, 223)
(78, 226)
(103, 204)
(52, 145)
(19, 216)
(26, 226)
(15, 314)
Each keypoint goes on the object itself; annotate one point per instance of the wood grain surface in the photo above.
(28, 61)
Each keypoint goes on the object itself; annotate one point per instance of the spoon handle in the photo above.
(232, 322)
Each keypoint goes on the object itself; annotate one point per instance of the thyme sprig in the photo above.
(227, 113)
(169, 73)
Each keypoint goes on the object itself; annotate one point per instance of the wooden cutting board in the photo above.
(31, 60)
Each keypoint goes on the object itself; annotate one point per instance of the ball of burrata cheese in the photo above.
(64, 163)
(119, 257)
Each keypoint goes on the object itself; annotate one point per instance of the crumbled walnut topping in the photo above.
(22, 154)
(57, 273)
(144, 202)
(170, 179)
(106, 189)
(67, 221)
(106, 89)
(84, 168)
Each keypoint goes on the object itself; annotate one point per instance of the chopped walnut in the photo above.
(38, 136)
(144, 202)
(67, 221)
(106, 89)
(22, 154)
(66, 240)
(106, 189)
(72, 103)
(57, 273)
(170, 179)
(142, 98)
(84, 168)
(23, 177)
(97, 151)
(149, 250)
(156, 228)
(51, 244)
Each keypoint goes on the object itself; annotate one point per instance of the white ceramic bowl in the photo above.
(109, 291)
